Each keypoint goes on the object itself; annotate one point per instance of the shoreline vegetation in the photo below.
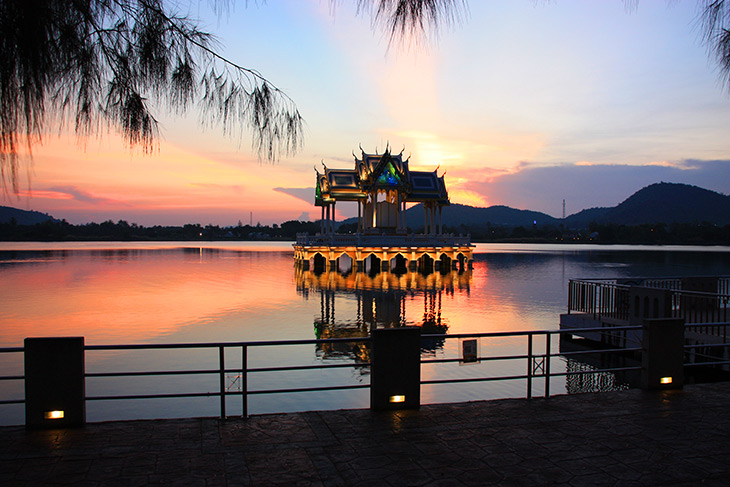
(698, 233)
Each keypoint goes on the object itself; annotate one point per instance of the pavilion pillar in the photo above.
(425, 218)
(321, 222)
(359, 216)
(327, 221)
(441, 223)
(332, 222)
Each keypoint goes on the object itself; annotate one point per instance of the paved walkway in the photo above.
(618, 438)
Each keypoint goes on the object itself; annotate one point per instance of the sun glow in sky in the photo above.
(524, 104)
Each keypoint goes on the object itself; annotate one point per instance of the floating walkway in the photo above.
(384, 252)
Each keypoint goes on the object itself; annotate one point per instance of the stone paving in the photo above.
(619, 438)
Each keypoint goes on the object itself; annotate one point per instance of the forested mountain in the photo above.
(22, 217)
(667, 203)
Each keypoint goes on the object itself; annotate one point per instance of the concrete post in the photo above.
(662, 360)
(395, 379)
(54, 382)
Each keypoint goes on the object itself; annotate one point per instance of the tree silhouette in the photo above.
(95, 64)
(715, 30)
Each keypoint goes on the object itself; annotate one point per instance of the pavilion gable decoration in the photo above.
(381, 184)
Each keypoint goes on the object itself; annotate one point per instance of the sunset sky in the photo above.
(524, 104)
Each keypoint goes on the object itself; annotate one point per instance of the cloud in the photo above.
(304, 194)
(74, 193)
(581, 185)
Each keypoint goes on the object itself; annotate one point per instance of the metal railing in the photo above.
(708, 354)
(244, 370)
(599, 299)
(11, 350)
(628, 301)
(537, 365)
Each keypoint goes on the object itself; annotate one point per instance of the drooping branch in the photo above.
(715, 32)
(109, 63)
(404, 20)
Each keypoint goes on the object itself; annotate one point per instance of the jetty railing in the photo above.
(628, 301)
(538, 363)
(537, 359)
(702, 352)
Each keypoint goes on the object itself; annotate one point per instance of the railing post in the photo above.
(662, 360)
(222, 369)
(244, 380)
(55, 390)
(395, 378)
(529, 366)
(570, 296)
(547, 365)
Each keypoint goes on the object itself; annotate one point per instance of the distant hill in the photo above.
(23, 217)
(456, 215)
(657, 203)
(661, 203)
(583, 218)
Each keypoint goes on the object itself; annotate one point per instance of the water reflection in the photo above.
(352, 304)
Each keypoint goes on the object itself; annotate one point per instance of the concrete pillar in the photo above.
(360, 265)
(395, 380)
(662, 360)
(333, 264)
(54, 382)
(413, 265)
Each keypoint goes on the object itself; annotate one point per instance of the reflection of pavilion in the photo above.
(379, 302)
(382, 185)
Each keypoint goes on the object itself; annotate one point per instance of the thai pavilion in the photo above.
(382, 185)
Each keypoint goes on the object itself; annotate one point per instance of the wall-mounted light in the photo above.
(665, 380)
(53, 415)
(397, 399)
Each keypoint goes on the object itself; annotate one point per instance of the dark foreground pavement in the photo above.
(618, 438)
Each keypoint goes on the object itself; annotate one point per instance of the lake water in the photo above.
(181, 292)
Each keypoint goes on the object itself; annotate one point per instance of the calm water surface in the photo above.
(179, 292)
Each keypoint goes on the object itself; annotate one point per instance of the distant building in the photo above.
(382, 185)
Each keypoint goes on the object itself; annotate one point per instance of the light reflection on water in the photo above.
(116, 293)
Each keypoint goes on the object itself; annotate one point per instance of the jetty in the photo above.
(701, 302)
(382, 185)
